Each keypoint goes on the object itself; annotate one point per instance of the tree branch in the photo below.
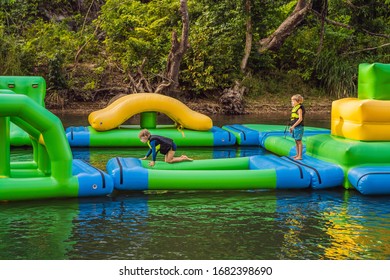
(343, 25)
(367, 49)
(276, 40)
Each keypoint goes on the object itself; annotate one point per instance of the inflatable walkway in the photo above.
(52, 172)
(127, 136)
(245, 173)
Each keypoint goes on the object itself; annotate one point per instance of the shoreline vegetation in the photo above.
(266, 104)
(251, 63)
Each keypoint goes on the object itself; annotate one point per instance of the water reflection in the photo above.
(199, 225)
(334, 225)
(36, 230)
(109, 228)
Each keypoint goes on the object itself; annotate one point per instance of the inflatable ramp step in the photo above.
(245, 136)
(370, 180)
(92, 181)
(323, 174)
(288, 174)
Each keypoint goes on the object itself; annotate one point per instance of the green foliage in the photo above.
(9, 54)
(334, 64)
(56, 77)
(213, 62)
(80, 45)
(278, 85)
(136, 31)
(337, 75)
(46, 39)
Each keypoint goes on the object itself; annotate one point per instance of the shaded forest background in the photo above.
(93, 50)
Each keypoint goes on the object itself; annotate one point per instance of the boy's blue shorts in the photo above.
(297, 133)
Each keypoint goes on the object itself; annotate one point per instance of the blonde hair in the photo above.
(144, 133)
(298, 98)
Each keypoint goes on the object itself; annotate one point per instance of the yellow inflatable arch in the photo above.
(125, 107)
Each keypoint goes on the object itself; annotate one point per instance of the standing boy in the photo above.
(297, 123)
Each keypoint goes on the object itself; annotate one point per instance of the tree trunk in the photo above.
(176, 54)
(232, 100)
(324, 12)
(276, 40)
(248, 40)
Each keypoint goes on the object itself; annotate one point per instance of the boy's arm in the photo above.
(152, 150)
(148, 153)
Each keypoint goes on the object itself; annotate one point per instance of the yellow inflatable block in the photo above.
(366, 120)
(122, 109)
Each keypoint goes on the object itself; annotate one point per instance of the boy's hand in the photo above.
(152, 163)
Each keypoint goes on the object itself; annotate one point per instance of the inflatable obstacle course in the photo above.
(355, 153)
(366, 118)
(52, 172)
(360, 132)
(35, 88)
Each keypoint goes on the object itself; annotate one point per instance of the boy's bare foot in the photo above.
(297, 158)
(186, 158)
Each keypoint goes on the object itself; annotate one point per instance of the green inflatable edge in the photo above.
(128, 136)
(233, 174)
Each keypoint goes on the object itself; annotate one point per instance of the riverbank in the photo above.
(268, 104)
(264, 104)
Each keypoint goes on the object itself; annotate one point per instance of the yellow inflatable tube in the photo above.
(123, 108)
(365, 120)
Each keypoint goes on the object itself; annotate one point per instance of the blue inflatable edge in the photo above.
(92, 181)
(78, 136)
(370, 180)
(323, 174)
(127, 173)
(245, 136)
(288, 175)
(222, 137)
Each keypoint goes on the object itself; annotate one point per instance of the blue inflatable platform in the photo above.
(370, 180)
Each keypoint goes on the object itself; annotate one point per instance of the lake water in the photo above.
(332, 224)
